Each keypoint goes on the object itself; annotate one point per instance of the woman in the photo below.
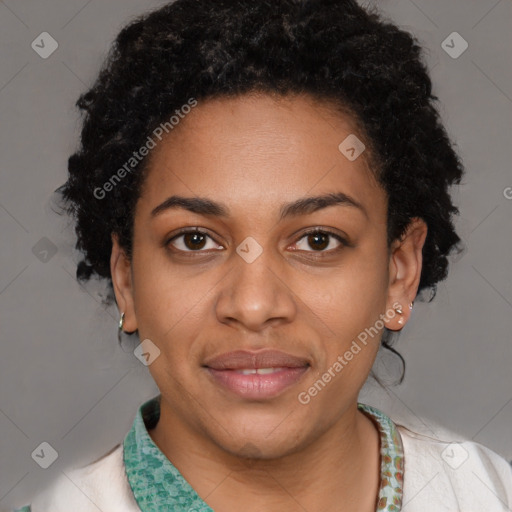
(264, 184)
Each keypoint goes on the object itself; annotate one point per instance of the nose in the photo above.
(255, 295)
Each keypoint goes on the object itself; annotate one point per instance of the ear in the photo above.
(405, 265)
(121, 272)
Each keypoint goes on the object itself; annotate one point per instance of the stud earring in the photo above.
(399, 311)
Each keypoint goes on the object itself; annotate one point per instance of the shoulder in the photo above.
(453, 475)
(99, 486)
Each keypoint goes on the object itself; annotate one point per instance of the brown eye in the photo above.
(319, 240)
(193, 241)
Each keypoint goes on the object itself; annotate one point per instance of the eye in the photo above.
(192, 240)
(320, 240)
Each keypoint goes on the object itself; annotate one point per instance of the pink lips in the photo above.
(256, 375)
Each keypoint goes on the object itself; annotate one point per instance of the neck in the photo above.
(338, 471)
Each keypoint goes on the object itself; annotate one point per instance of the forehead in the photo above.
(256, 149)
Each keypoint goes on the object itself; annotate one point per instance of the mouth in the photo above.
(258, 371)
(256, 375)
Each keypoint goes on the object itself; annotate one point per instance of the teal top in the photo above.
(157, 485)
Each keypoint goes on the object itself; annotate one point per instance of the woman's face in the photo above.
(253, 280)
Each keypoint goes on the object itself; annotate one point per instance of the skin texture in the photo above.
(253, 153)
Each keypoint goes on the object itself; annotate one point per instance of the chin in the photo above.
(260, 439)
(260, 448)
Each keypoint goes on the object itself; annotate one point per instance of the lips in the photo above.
(242, 359)
(256, 375)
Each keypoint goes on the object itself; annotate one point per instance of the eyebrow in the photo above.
(302, 206)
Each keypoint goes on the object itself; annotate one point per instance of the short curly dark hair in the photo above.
(332, 50)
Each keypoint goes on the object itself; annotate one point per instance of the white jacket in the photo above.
(438, 476)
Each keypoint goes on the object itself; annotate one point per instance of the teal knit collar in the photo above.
(157, 485)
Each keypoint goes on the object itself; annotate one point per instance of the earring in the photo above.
(399, 311)
(411, 305)
(120, 328)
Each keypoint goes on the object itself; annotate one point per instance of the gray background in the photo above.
(63, 378)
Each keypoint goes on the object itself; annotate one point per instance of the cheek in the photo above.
(350, 311)
(351, 298)
(167, 302)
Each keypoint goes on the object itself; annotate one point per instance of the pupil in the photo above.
(194, 238)
(313, 239)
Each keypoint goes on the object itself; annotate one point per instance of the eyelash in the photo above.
(185, 231)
